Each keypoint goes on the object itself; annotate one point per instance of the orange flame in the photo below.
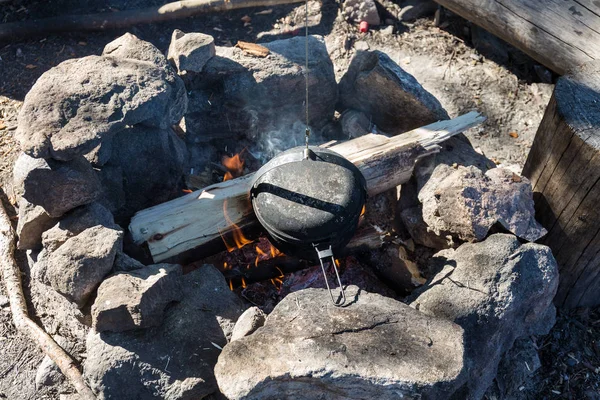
(364, 209)
(234, 166)
(239, 240)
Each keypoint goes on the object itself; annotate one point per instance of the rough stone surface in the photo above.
(146, 168)
(467, 202)
(75, 105)
(136, 299)
(497, 290)
(373, 348)
(75, 222)
(252, 319)
(124, 263)
(177, 357)
(33, 221)
(56, 186)
(190, 51)
(132, 47)
(392, 97)
(412, 219)
(77, 267)
(262, 96)
(58, 316)
(361, 10)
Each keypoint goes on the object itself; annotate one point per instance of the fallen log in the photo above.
(199, 220)
(123, 19)
(12, 280)
(558, 34)
(564, 169)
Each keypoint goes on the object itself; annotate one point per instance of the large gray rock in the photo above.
(190, 51)
(392, 97)
(75, 222)
(136, 299)
(75, 105)
(373, 348)
(77, 267)
(146, 168)
(240, 93)
(132, 47)
(56, 186)
(174, 360)
(497, 290)
(466, 202)
(33, 221)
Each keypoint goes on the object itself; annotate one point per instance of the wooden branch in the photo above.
(202, 218)
(12, 281)
(558, 34)
(123, 19)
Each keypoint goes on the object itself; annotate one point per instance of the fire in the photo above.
(364, 209)
(234, 166)
(239, 240)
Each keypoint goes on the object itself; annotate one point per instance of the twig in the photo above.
(12, 280)
(123, 19)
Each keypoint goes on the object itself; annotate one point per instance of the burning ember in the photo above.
(234, 166)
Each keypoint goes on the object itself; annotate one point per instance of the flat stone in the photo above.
(131, 47)
(393, 98)
(136, 299)
(56, 186)
(373, 348)
(74, 106)
(190, 51)
(498, 291)
(33, 221)
(77, 267)
(415, 9)
(75, 222)
(177, 357)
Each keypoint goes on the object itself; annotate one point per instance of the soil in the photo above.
(499, 81)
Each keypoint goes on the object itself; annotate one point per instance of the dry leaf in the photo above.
(30, 66)
(82, 43)
(516, 178)
(246, 18)
(253, 49)
(513, 134)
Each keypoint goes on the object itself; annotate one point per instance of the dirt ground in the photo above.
(442, 58)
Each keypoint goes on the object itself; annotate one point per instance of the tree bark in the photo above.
(12, 280)
(123, 19)
(564, 169)
(558, 34)
(198, 221)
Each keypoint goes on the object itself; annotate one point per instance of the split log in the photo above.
(564, 169)
(558, 34)
(200, 219)
(12, 280)
(123, 19)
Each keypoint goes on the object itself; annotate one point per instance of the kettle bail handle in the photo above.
(324, 255)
